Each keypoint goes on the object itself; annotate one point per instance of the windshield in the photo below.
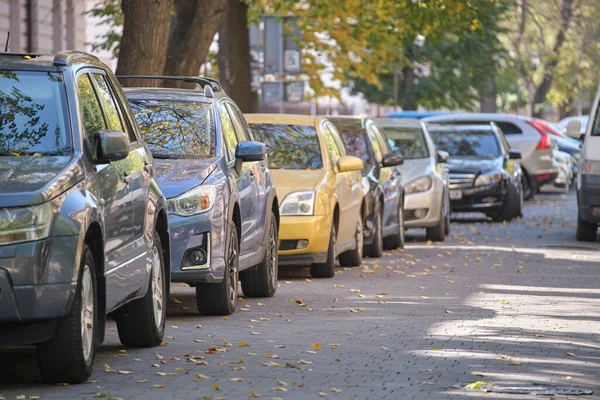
(289, 146)
(32, 114)
(480, 144)
(353, 136)
(176, 129)
(407, 142)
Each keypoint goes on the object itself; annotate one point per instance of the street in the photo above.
(508, 304)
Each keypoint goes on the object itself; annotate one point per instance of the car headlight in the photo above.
(591, 168)
(25, 224)
(298, 203)
(196, 201)
(421, 184)
(484, 180)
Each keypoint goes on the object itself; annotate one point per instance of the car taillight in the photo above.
(545, 143)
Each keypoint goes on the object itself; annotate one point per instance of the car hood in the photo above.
(28, 180)
(469, 165)
(412, 169)
(175, 176)
(287, 181)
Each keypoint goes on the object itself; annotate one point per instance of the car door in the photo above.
(245, 182)
(258, 169)
(347, 187)
(114, 196)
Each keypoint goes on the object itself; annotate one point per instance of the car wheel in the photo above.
(326, 269)
(512, 206)
(586, 231)
(353, 258)
(437, 233)
(528, 191)
(262, 281)
(397, 239)
(447, 218)
(221, 298)
(69, 355)
(375, 249)
(141, 323)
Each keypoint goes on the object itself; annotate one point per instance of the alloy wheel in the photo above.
(273, 256)
(232, 261)
(401, 225)
(87, 313)
(359, 236)
(157, 287)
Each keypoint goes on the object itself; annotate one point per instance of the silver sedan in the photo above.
(424, 175)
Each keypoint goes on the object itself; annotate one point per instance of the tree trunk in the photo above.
(408, 85)
(144, 42)
(234, 55)
(488, 94)
(193, 29)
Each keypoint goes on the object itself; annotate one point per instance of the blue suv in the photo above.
(223, 208)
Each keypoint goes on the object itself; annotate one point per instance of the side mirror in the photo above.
(250, 151)
(442, 156)
(391, 160)
(111, 146)
(574, 129)
(350, 163)
(514, 154)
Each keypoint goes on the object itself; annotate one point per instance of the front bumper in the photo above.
(431, 201)
(315, 229)
(37, 280)
(481, 198)
(205, 232)
(589, 198)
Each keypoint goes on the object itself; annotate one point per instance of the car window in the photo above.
(332, 147)
(377, 151)
(595, 124)
(238, 123)
(176, 129)
(467, 143)
(93, 119)
(290, 146)
(507, 127)
(337, 138)
(503, 142)
(408, 142)
(381, 139)
(108, 103)
(354, 139)
(33, 118)
(229, 134)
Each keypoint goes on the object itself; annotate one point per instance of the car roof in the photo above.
(155, 93)
(288, 119)
(452, 128)
(399, 122)
(415, 114)
(44, 61)
(476, 116)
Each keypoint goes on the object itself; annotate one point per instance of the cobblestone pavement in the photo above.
(515, 303)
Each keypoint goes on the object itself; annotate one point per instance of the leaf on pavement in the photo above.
(282, 383)
(568, 353)
(107, 368)
(200, 376)
(240, 361)
(504, 302)
(322, 394)
(280, 389)
(335, 390)
(361, 295)
(124, 372)
(158, 356)
(513, 362)
(448, 312)
(355, 290)
(305, 362)
(160, 386)
(316, 346)
(244, 344)
(437, 348)
(216, 386)
(254, 395)
(142, 381)
(236, 379)
(226, 343)
(256, 333)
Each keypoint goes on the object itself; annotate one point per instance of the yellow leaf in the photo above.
(316, 346)
(240, 361)
(255, 395)
(159, 386)
(568, 353)
(355, 290)
(216, 386)
(477, 385)
(236, 379)
(158, 356)
(224, 318)
(282, 383)
(200, 376)
(382, 293)
(107, 368)
(179, 370)
(280, 389)
(437, 348)
(322, 394)
(334, 390)
(513, 362)
(142, 381)
(226, 343)
(361, 295)
(504, 302)
(243, 344)
(448, 312)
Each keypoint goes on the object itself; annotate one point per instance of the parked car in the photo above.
(562, 183)
(522, 134)
(223, 207)
(83, 225)
(322, 206)
(383, 226)
(485, 175)
(415, 114)
(425, 176)
(588, 179)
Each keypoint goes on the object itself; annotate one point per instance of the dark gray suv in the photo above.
(83, 225)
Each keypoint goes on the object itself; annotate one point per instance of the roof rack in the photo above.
(64, 58)
(200, 80)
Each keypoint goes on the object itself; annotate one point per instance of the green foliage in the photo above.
(111, 15)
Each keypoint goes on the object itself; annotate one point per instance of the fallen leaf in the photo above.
(477, 385)
(240, 361)
(179, 370)
(236, 379)
(125, 372)
(334, 390)
(437, 348)
(158, 386)
(158, 356)
(200, 376)
(198, 326)
(256, 333)
(504, 302)
(382, 293)
(280, 389)
(513, 362)
(142, 381)
(255, 395)
(305, 362)
(226, 343)
(322, 394)
(316, 346)
(282, 383)
(448, 312)
(107, 368)
(355, 290)
(225, 318)
(568, 353)
(361, 295)
(216, 386)
(243, 344)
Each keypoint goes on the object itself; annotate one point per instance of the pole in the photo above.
(281, 68)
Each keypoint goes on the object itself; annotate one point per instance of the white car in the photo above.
(562, 184)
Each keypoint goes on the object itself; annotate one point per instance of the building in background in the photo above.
(42, 26)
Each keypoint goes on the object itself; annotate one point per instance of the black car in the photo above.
(485, 174)
(384, 193)
(83, 225)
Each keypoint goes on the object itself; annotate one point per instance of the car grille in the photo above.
(461, 181)
(288, 245)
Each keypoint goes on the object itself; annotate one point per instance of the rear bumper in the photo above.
(589, 198)
(302, 260)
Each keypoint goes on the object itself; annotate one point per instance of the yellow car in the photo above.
(320, 191)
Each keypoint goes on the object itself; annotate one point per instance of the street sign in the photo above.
(271, 93)
(294, 92)
(281, 48)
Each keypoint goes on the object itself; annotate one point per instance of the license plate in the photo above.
(455, 195)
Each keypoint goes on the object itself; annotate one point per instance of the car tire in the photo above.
(512, 206)
(326, 269)
(447, 218)
(69, 356)
(141, 323)
(586, 231)
(262, 280)
(353, 258)
(221, 298)
(437, 233)
(528, 190)
(396, 240)
(375, 249)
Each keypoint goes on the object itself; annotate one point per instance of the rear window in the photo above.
(407, 142)
(507, 127)
(33, 118)
(289, 146)
(176, 129)
(461, 143)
